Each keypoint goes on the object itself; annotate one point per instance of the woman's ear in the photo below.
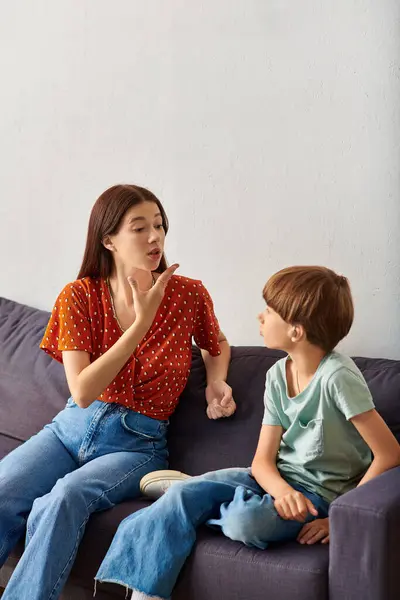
(107, 243)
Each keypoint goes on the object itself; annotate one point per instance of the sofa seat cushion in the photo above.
(217, 568)
(220, 568)
(7, 444)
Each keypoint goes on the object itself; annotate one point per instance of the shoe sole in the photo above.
(157, 476)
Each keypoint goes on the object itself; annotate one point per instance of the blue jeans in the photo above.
(151, 545)
(86, 460)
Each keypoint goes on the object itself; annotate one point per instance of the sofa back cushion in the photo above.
(33, 389)
(198, 445)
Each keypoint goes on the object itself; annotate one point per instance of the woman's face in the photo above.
(139, 243)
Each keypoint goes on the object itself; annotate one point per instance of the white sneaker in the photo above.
(155, 484)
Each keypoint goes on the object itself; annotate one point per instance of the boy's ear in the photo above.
(298, 333)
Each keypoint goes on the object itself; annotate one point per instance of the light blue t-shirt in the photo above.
(320, 448)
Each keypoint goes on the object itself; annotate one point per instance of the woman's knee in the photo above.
(65, 495)
(13, 500)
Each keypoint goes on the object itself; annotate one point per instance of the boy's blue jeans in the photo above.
(151, 545)
(86, 460)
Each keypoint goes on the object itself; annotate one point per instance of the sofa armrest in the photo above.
(364, 553)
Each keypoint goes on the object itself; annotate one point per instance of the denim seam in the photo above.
(91, 431)
(83, 524)
(122, 480)
(87, 518)
(29, 533)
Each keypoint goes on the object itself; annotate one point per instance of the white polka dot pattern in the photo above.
(152, 381)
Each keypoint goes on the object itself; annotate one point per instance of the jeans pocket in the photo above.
(143, 427)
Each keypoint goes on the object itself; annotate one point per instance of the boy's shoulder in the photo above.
(335, 367)
(346, 384)
(339, 365)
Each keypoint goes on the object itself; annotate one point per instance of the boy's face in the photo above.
(274, 330)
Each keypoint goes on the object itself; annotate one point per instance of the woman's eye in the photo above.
(139, 230)
(160, 226)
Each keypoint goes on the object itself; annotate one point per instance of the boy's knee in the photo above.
(238, 530)
(251, 525)
(245, 530)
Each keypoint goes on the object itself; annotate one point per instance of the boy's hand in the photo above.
(316, 531)
(294, 506)
(219, 399)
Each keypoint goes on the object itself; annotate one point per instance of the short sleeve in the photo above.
(271, 416)
(350, 393)
(69, 325)
(206, 326)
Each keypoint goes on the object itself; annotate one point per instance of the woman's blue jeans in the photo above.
(86, 460)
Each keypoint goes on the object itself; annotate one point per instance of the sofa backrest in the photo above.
(33, 389)
(198, 445)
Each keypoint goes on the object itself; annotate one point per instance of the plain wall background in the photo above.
(269, 129)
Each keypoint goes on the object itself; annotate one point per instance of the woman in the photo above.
(123, 331)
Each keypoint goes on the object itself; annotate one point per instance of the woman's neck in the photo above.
(120, 287)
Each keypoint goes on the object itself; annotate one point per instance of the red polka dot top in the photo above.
(153, 379)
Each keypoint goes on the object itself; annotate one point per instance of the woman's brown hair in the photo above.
(316, 298)
(105, 219)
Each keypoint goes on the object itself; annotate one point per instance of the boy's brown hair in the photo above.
(316, 298)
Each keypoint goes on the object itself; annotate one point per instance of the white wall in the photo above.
(269, 129)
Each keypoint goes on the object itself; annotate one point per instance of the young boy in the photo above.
(318, 432)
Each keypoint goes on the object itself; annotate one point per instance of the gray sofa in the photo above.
(362, 561)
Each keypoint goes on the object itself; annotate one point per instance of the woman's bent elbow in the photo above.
(81, 399)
